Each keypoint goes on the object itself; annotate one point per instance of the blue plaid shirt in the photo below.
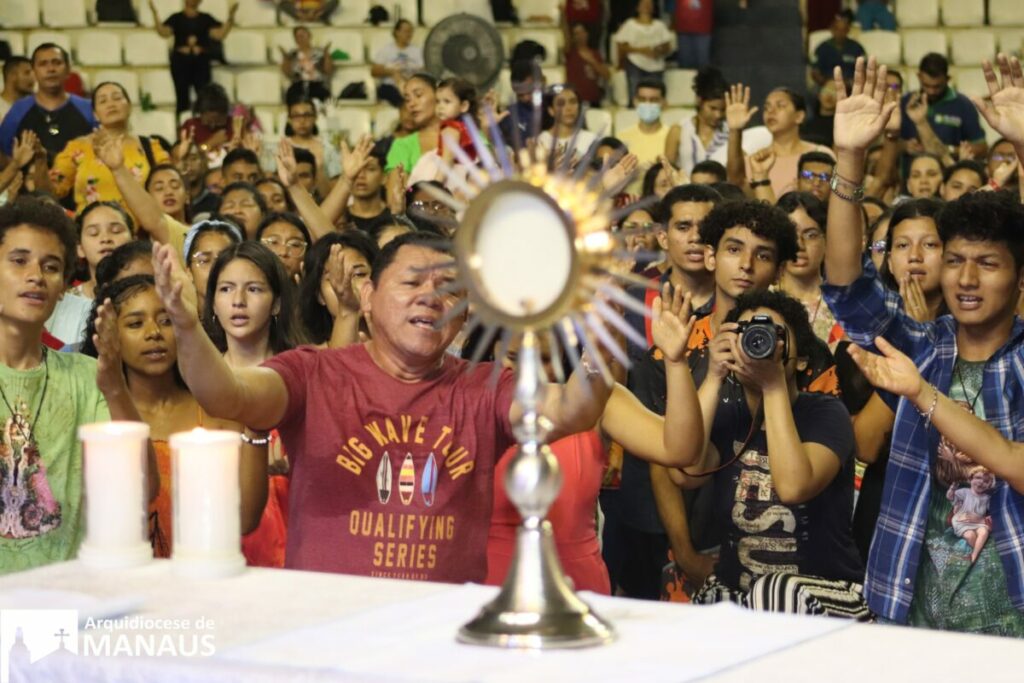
(867, 309)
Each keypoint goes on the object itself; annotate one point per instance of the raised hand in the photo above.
(394, 190)
(253, 142)
(1004, 171)
(173, 287)
(110, 151)
(353, 160)
(914, 302)
(24, 149)
(672, 322)
(286, 162)
(340, 273)
(965, 151)
(738, 111)
(917, 108)
(1004, 111)
(891, 371)
(861, 115)
(14, 187)
(618, 175)
(676, 176)
(761, 163)
(109, 371)
(181, 149)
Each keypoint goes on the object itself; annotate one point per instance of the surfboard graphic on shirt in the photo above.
(384, 479)
(407, 480)
(428, 481)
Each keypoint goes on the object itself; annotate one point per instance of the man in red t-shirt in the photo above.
(392, 442)
(693, 28)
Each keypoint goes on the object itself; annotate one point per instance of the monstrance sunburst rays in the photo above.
(536, 251)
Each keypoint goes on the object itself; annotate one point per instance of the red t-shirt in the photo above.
(583, 77)
(391, 479)
(694, 16)
(583, 11)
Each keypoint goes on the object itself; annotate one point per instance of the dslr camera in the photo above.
(759, 336)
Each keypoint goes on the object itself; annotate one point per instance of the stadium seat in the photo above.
(218, 9)
(963, 12)
(159, 85)
(679, 88)
(540, 12)
(128, 79)
(164, 8)
(384, 122)
(969, 80)
(1006, 12)
(143, 48)
(675, 117)
(350, 123)
(20, 14)
(816, 38)
(553, 75)
(916, 44)
(267, 117)
(625, 118)
(37, 38)
(245, 48)
(350, 42)
(16, 40)
(620, 88)
(404, 9)
(504, 87)
(343, 75)
(1011, 40)
(156, 122)
(917, 13)
(969, 47)
(256, 14)
(882, 45)
(351, 13)
(225, 79)
(258, 86)
(436, 10)
(63, 13)
(98, 48)
(599, 121)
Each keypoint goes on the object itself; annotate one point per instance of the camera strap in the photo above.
(755, 425)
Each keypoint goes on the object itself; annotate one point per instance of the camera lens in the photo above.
(758, 342)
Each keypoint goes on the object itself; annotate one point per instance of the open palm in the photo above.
(671, 323)
(1004, 110)
(861, 116)
(891, 371)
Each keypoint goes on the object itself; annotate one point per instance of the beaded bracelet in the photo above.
(931, 409)
(856, 191)
(257, 440)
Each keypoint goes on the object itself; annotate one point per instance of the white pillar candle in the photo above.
(207, 503)
(114, 476)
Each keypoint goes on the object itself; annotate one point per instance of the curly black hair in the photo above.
(986, 217)
(45, 216)
(791, 310)
(710, 84)
(763, 220)
(111, 265)
(118, 291)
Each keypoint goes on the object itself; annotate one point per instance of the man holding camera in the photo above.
(780, 463)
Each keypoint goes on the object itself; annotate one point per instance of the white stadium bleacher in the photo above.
(253, 49)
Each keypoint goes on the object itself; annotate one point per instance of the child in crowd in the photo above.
(102, 227)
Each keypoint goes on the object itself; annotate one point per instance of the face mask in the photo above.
(649, 112)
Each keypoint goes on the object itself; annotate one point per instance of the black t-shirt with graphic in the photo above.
(761, 535)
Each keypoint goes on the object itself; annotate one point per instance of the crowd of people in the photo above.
(822, 411)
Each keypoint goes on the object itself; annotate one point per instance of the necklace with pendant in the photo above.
(30, 437)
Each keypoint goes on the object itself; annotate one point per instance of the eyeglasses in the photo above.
(811, 175)
(291, 246)
(431, 207)
(878, 247)
(1003, 157)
